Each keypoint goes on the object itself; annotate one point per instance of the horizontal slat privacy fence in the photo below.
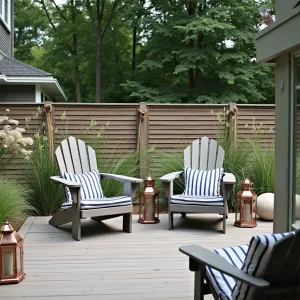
(172, 126)
(124, 127)
(257, 117)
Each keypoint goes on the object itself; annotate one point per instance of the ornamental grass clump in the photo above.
(13, 202)
(12, 141)
(44, 195)
(165, 163)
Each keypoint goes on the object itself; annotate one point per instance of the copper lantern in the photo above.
(11, 255)
(245, 206)
(149, 202)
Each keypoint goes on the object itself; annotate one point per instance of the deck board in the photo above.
(109, 264)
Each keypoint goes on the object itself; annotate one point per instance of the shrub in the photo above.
(45, 196)
(13, 203)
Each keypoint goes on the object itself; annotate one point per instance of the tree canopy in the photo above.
(161, 51)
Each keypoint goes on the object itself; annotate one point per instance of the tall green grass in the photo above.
(13, 201)
(5, 159)
(236, 161)
(120, 163)
(44, 195)
(262, 167)
(162, 163)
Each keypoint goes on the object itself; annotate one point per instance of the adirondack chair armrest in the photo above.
(171, 176)
(216, 261)
(65, 182)
(229, 178)
(121, 178)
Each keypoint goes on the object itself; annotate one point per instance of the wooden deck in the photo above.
(108, 264)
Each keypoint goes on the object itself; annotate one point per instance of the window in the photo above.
(5, 12)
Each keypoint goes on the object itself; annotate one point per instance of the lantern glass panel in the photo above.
(247, 212)
(8, 258)
(19, 259)
(148, 206)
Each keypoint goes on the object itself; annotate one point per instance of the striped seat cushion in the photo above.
(197, 200)
(202, 183)
(255, 262)
(90, 185)
(102, 202)
(224, 284)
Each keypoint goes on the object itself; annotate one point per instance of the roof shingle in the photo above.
(12, 67)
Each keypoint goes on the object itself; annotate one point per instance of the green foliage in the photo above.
(206, 51)
(45, 196)
(30, 26)
(188, 52)
(13, 201)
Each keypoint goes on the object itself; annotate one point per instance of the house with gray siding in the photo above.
(20, 82)
(279, 43)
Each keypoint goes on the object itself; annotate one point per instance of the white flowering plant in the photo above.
(12, 139)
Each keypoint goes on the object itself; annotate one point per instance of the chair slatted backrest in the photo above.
(73, 156)
(204, 155)
(283, 265)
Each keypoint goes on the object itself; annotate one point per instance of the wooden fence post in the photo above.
(48, 110)
(143, 137)
(232, 121)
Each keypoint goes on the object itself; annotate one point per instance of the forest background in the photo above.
(158, 51)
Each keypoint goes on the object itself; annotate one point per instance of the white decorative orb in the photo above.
(297, 206)
(265, 206)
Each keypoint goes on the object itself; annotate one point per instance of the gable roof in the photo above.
(12, 67)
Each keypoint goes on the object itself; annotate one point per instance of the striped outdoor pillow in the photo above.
(90, 185)
(255, 262)
(202, 183)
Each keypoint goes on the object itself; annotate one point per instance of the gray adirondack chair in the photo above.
(204, 155)
(280, 277)
(73, 156)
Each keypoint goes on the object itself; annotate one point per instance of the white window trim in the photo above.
(8, 23)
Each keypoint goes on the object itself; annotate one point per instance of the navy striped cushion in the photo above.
(224, 284)
(202, 183)
(197, 200)
(90, 185)
(255, 262)
(104, 202)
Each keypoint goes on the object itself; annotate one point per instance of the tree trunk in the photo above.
(78, 85)
(75, 54)
(134, 37)
(76, 68)
(191, 8)
(191, 71)
(191, 79)
(198, 72)
(133, 62)
(98, 68)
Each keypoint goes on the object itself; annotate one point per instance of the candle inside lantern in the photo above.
(247, 213)
(8, 262)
